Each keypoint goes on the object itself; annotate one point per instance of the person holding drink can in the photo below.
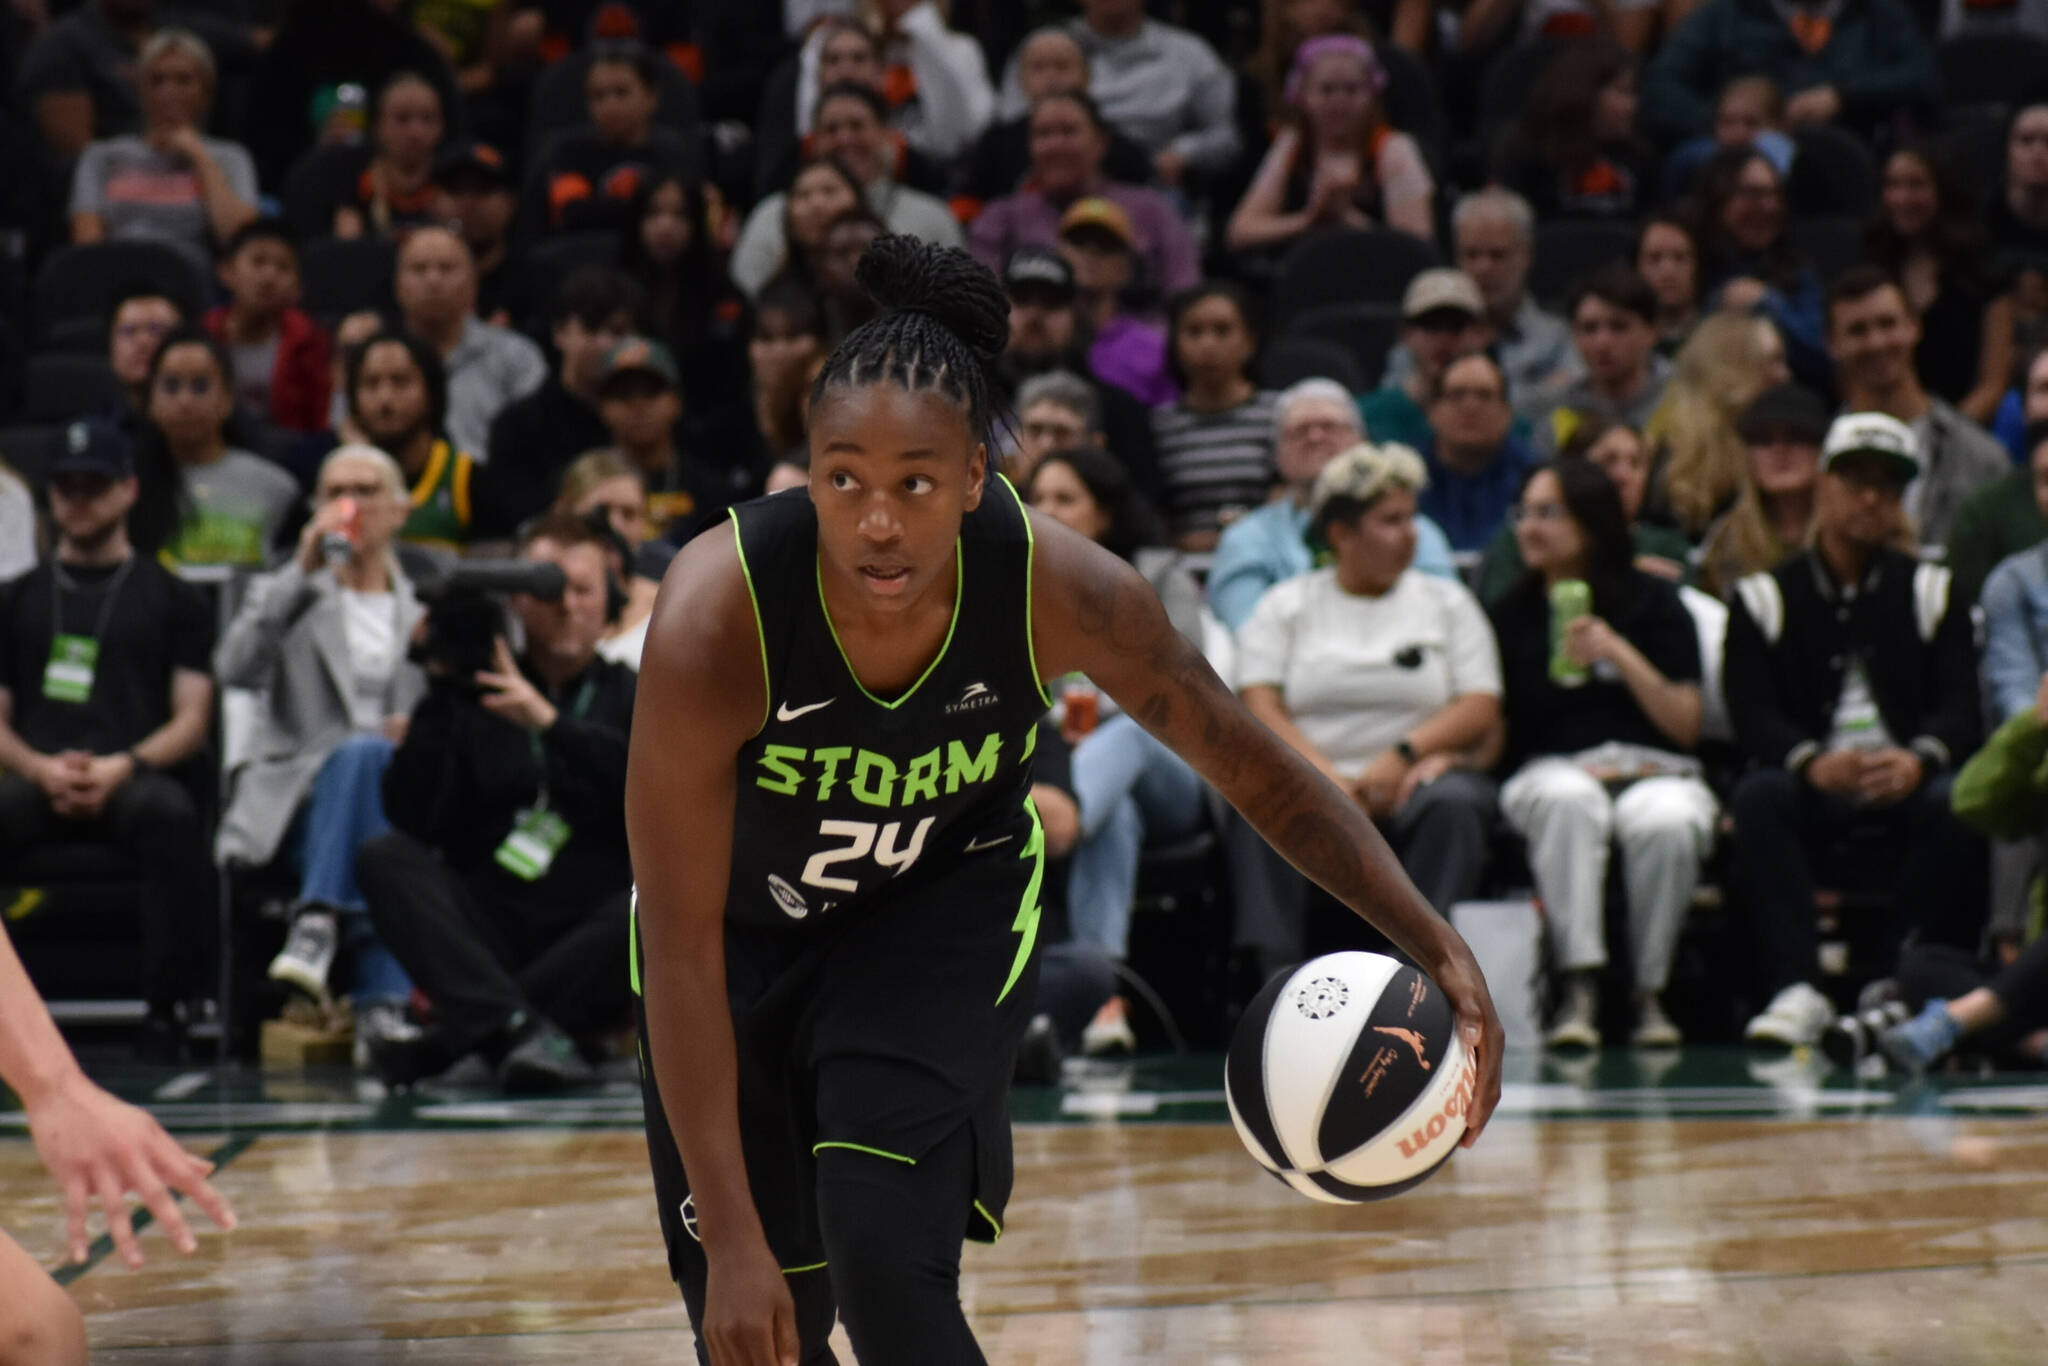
(1130, 788)
(1601, 664)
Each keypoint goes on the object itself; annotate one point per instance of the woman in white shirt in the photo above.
(1386, 679)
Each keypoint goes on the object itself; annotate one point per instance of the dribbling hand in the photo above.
(1479, 1026)
(749, 1317)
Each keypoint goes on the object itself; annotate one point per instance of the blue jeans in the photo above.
(1129, 787)
(344, 809)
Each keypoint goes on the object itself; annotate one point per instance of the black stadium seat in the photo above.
(1569, 249)
(77, 287)
(1295, 357)
(30, 450)
(1348, 265)
(1833, 173)
(343, 275)
(1830, 244)
(1365, 332)
(63, 385)
(1993, 68)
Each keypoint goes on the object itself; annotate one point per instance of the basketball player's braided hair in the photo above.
(945, 319)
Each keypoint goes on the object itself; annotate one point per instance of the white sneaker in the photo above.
(1577, 1021)
(1110, 1031)
(1653, 1027)
(1795, 1018)
(381, 1022)
(308, 954)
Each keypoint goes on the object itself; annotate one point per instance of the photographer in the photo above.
(503, 887)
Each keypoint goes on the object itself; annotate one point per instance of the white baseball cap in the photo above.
(1878, 434)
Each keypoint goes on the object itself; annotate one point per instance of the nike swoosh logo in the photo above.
(976, 846)
(788, 713)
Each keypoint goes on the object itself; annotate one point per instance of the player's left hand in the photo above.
(1464, 986)
(97, 1146)
(509, 694)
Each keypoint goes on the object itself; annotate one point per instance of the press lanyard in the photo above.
(577, 711)
(110, 593)
(73, 665)
(538, 834)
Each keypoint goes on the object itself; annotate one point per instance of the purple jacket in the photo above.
(1029, 219)
(1132, 355)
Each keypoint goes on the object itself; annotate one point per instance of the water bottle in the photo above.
(1570, 599)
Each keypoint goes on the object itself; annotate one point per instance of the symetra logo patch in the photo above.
(975, 697)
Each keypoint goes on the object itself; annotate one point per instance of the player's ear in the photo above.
(977, 475)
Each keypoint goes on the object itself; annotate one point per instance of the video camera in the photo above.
(466, 612)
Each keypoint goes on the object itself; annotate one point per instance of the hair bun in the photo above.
(906, 275)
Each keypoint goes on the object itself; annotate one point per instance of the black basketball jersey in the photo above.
(841, 792)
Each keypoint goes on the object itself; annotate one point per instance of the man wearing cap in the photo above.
(1851, 678)
(1046, 333)
(477, 198)
(1315, 420)
(1781, 431)
(534, 438)
(1067, 151)
(105, 686)
(1125, 350)
(1872, 333)
(639, 396)
(1441, 319)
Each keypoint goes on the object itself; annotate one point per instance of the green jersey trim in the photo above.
(1026, 923)
(739, 543)
(1030, 575)
(817, 1148)
(959, 592)
(633, 941)
(982, 1210)
(799, 1270)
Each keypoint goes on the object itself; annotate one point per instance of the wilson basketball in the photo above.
(1347, 1080)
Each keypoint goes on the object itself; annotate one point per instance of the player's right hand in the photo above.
(749, 1317)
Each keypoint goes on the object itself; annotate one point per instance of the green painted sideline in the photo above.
(142, 1218)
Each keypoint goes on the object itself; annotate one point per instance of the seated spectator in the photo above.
(233, 505)
(1338, 162)
(822, 192)
(784, 353)
(17, 525)
(1622, 454)
(104, 690)
(2017, 222)
(845, 302)
(322, 640)
(382, 188)
(2015, 604)
(1772, 515)
(1669, 263)
(534, 438)
(1614, 328)
(141, 319)
(604, 483)
(1872, 334)
(2025, 403)
(1959, 18)
(1929, 237)
(1729, 360)
(838, 49)
(1442, 318)
(1131, 789)
(2000, 520)
(1386, 679)
(1313, 421)
(488, 367)
(1603, 712)
(1574, 152)
(397, 397)
(1069, 142)
(1564, 23)
(1216, 443)
(1161, 86)
(1056, 411)
(504, 884)
(1049, 62)
(1475, 461)
(170, 183)
(586, 178)
(280, 354)
(77, 78)
(1748, 262)
(1494, 232)
(1126, 348)
(693, 306)
(852, 132)
(477, 200)
(639, 397)
(1047, 333)
(935, 80)
(1750, 114)
(1866, 63)
(1852, 685)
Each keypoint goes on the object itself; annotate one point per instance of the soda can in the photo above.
(1083, 709)
(1570, 599)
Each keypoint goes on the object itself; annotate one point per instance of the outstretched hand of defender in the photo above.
(1479, 1026)
(106, 1149)
(749, 1316)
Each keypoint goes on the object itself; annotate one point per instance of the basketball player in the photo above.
(96, 1146)
(838, 868)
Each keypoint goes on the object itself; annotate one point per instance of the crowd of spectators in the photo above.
(1579, 428)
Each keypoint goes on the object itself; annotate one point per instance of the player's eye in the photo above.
(842, 481)
(919, 483)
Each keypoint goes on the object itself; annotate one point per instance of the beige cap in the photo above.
(1441, 288)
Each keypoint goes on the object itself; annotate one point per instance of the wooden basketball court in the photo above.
(1699, 1210)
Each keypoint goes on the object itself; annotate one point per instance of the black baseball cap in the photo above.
(93, 446)
(1040, 270)
(1786, 410)
(469, 156)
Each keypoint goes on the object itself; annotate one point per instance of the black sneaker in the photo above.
(546, 1060)
(1852, 1038)
(1039, 1054)
(406, 1057)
